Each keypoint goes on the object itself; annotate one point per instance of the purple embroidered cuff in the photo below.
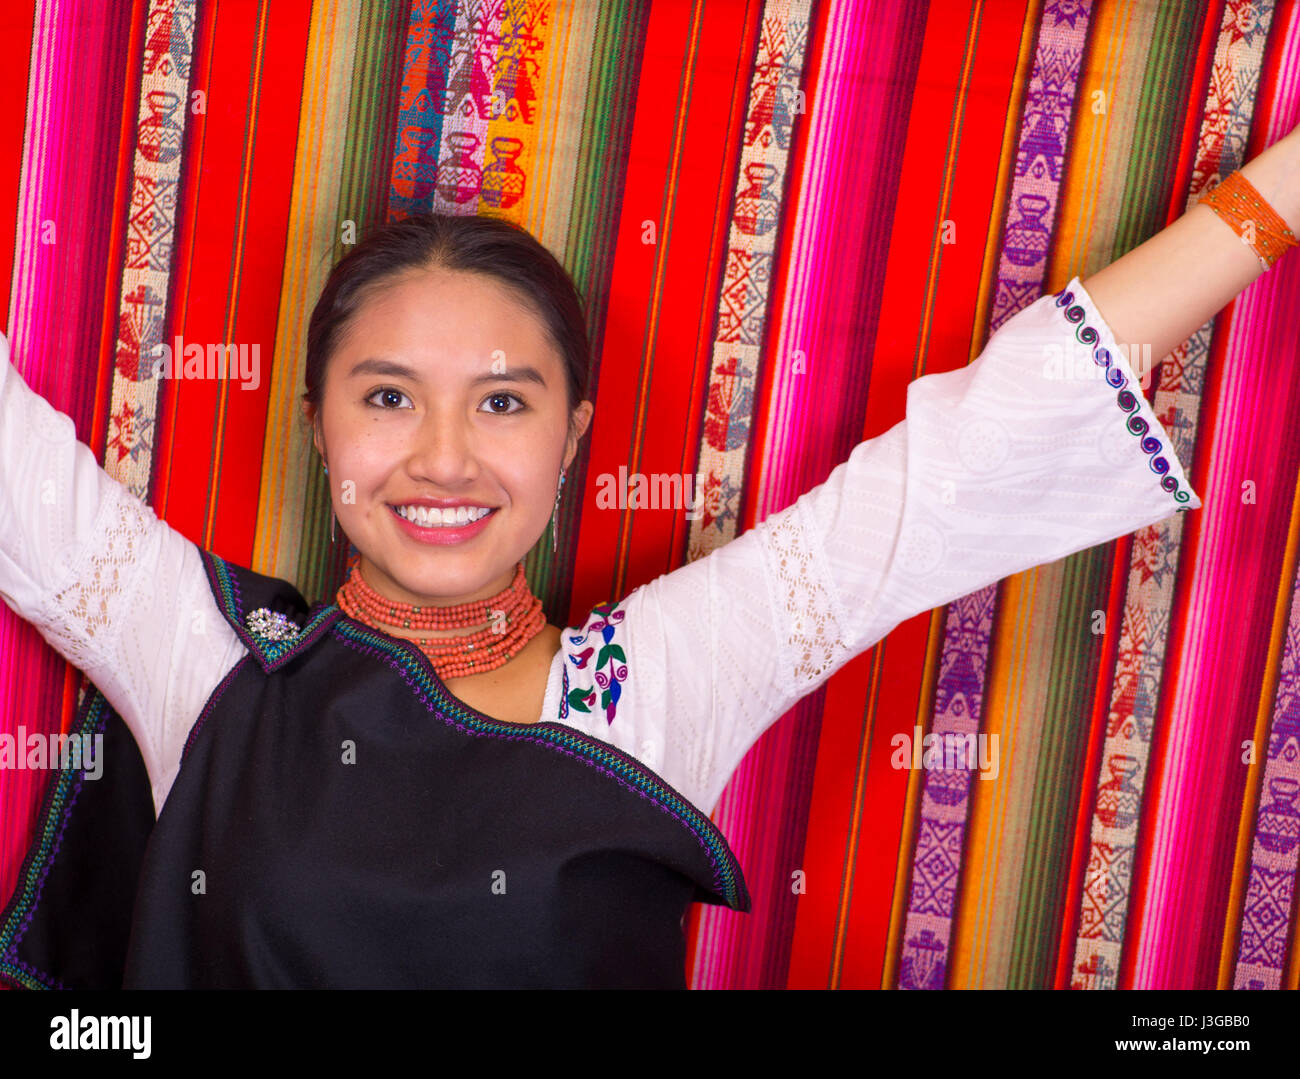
(1110, 362)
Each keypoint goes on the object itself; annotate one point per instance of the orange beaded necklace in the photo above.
(514, 618)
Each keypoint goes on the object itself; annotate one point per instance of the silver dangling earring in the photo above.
(556, 510)
(332, 539)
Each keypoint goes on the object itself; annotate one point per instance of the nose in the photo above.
(442, 450)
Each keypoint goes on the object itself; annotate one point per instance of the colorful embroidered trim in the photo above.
(1126, 399)
(266, 637)
(60, 797)
(626, 770)
(602, 619)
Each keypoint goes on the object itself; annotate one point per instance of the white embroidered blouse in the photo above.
(1034, 451)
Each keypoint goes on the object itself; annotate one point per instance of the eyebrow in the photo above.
(400, 370)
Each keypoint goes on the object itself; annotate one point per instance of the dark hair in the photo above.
(488, 246)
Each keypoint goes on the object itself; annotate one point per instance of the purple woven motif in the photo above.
(1266, 927)
(968, 629)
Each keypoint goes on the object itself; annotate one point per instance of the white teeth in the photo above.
(432, 517)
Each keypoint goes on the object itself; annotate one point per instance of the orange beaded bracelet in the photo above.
(1250, 216)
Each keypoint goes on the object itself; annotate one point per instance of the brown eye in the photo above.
(497, 398)
(387, 398)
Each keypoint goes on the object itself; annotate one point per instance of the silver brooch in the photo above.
(272, 625)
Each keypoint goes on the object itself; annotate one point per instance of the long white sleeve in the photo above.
(1002, 465)
(117, 592)
(1016, 460)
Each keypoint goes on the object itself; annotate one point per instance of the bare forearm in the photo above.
(1165, 289)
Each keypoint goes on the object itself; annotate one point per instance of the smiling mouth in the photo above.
(433, 517)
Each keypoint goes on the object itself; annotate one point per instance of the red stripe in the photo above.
(619, 550)
(233, 241)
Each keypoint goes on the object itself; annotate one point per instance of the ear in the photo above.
(312, 415)
(582, 415)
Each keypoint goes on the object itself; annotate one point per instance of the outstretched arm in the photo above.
(1010, 462)
(117, 592)
(1165, 289)
(1001, 465)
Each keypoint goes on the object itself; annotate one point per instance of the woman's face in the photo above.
(444, 389)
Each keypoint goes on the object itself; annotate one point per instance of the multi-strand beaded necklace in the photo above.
(514, 617)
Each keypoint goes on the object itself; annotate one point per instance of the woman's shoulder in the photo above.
(640, 673)
(268, 614)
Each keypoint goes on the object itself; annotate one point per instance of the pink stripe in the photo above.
(1178, 942)
(756, 810)
(22, 676)
(1214, 708)
(70, 67)
(857, 45)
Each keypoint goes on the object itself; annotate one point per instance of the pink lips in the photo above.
(445, 535)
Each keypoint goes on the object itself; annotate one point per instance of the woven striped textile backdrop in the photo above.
(779, 214)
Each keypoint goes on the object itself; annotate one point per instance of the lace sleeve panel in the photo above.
(117, 592)
(1042, 447)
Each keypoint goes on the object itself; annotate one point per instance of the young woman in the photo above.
(422, 783)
